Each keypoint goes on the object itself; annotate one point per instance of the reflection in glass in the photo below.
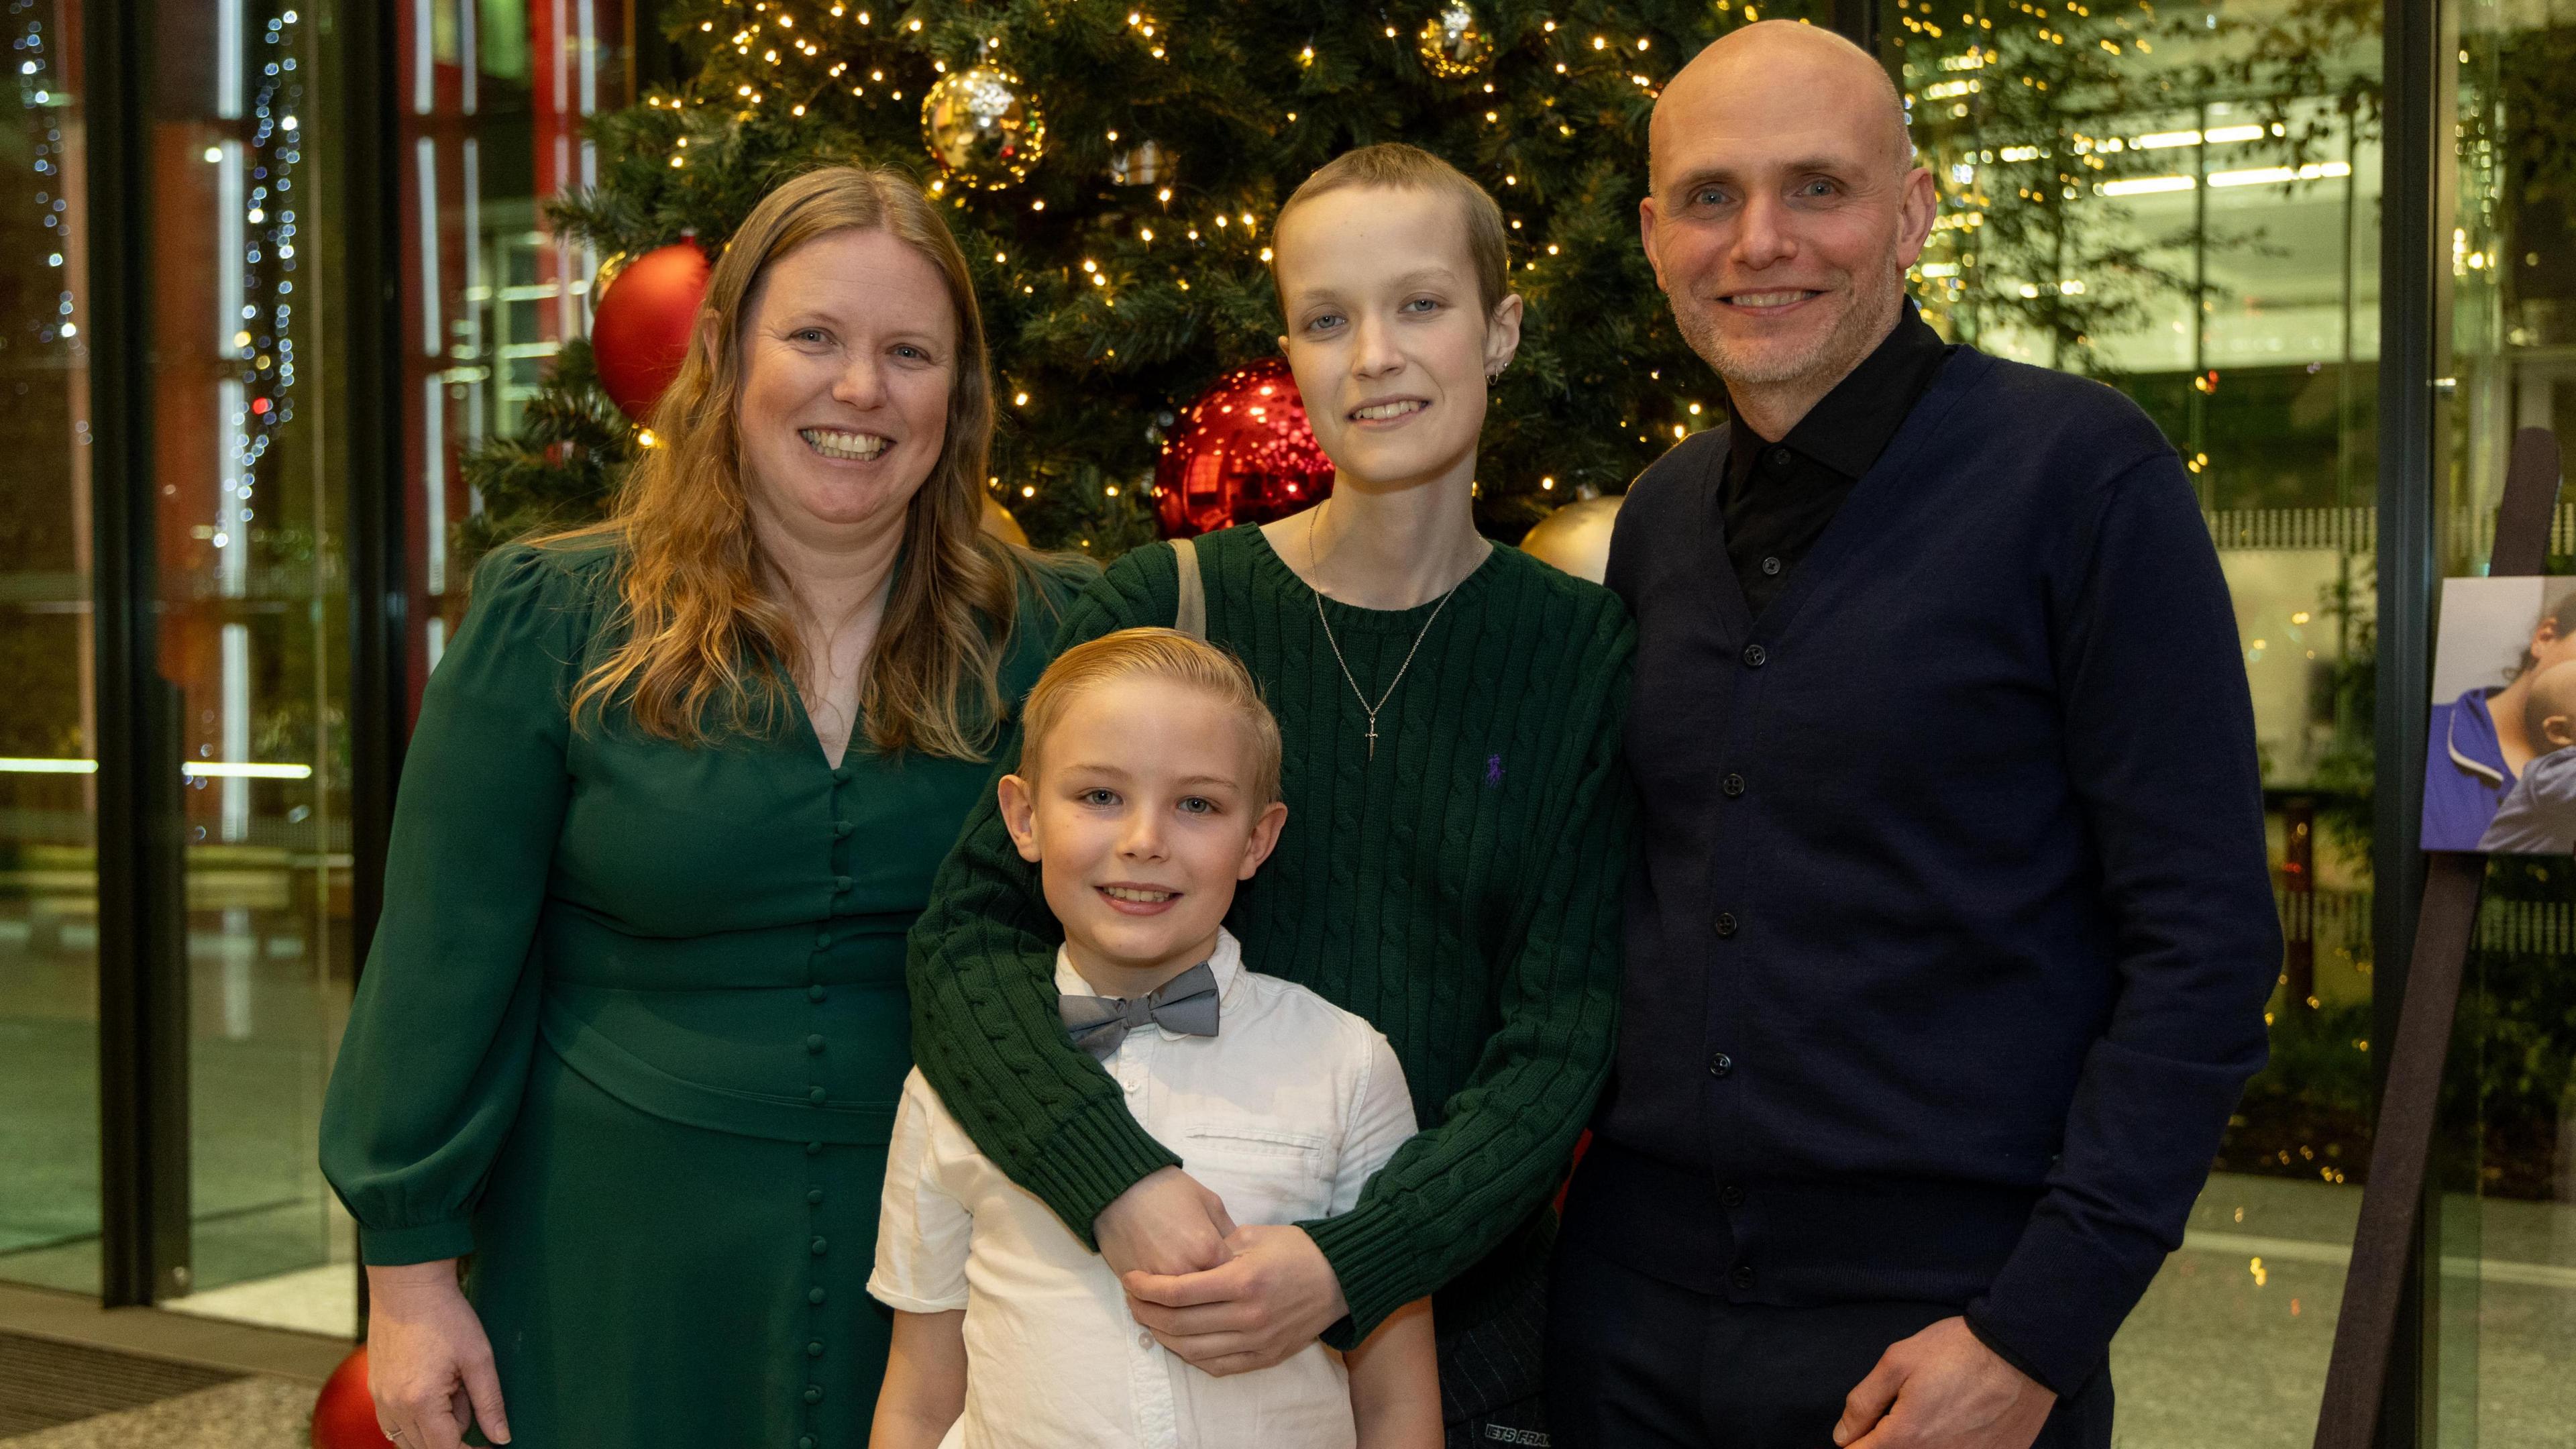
(49, 1122)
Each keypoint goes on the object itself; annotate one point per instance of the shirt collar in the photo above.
(1227, 963)
(1850, 426)
(2470, 738)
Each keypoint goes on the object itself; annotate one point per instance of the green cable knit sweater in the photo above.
(1460, 890)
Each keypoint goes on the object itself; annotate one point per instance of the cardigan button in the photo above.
(814, 1348)
(815, 1295)
(1755, 656)
(1733, 785)
(814, 1044)
(815, 1095)
(806, 1442)
(841, 829)
(841, 773)
(814, 1195)
(816, 992)
(1731, 1195)
(841, 885)
(1720, 1066)
(821, 1247)
(1726, 924)
(1771, 568)
(822, 939)
(813, 1393)
(1743, 1278)
(813, 1149)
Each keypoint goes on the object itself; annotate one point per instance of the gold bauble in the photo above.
(1575, 538)
(1000, 524)
(1455, 44)
(982, 126)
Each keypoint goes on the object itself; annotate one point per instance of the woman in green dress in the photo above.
(634, 1027)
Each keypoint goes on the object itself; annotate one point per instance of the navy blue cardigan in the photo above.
(1951, 932)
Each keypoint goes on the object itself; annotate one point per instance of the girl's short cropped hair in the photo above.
(1396, 166)
(1152, 654)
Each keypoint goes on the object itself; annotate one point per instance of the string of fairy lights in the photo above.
(264, 345)
(38, 95)
(792, 53)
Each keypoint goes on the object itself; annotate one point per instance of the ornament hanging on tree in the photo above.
(1144, 164)
(1455, 44)
(1576, 538)
(1243, 452)
(982, 126)
(639, 331)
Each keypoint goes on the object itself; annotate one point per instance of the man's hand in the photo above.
(1272, 1297)
(1167, 1223)
(1942, 1389)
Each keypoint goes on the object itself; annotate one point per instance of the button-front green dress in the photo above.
(632, 1035)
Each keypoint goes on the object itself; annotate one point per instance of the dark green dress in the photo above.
(632, 1034)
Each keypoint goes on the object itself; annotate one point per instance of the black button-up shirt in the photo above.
(1779, 496)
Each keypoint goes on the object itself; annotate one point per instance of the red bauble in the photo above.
(639, 329)
(1241, 453)
(345, 1416)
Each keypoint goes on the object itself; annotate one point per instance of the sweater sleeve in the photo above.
(981, 965)
(2159, 732)
(1454, 1193)
(429, 1075)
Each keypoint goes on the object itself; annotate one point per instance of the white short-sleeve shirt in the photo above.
(1284, 1113)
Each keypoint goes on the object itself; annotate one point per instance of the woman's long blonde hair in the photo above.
(710, 644)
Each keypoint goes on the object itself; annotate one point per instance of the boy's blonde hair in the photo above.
(1398, 167)
(1153, 654)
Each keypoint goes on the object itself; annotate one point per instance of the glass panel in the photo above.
(2183, 201)
(253, 634)
(49, 1194)
(2508, 1210)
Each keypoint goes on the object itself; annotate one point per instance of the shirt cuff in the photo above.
(427, 1243)
(2053, 1309)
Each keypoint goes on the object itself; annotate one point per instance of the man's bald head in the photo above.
(1783, 210)
(1834, 72)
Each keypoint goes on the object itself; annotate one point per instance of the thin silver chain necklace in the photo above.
(1316, 558)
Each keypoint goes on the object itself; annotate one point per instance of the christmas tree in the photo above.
(1116, 203)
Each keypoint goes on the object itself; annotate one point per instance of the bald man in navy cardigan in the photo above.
(1950, 928)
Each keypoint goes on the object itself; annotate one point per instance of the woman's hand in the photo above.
(1167, 1223)
(1274, 1294)
(429, 1365)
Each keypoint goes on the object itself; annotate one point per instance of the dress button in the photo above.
(815, 1095)
(1733, 785)
(841, 829)
(806, 1442)
(1755, 655)
(841, 773)
(816, 992)
(1743, 1278)
(813, 1149)
(1720, 1066)
(815, 1295)
(1731, 1195)
(814, 1044)
(821, 1247)
(822, 939)
(1725, 923)
(814, 1349)
(813, 1393)
(841, 885)
(814, 1195)
(1771, 568)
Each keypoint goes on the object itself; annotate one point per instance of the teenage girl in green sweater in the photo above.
(1458, 821)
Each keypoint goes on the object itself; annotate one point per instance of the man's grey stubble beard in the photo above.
(1837, 352)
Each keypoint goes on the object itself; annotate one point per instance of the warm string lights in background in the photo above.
(32, 64)
(258, 179)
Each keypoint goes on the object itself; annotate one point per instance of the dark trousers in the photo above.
(1634, 1362)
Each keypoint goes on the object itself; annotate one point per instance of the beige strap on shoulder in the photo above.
(1191, 618)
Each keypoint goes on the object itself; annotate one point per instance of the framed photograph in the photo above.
(2500, 775)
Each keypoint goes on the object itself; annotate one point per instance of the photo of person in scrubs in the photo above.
(2482, 740)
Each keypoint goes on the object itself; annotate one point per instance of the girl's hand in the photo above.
(429, 1365)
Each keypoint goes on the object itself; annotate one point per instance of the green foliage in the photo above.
(559, 470)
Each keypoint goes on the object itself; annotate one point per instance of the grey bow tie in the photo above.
(1185, 1004)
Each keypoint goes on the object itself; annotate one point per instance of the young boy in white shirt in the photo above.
(1148, 786)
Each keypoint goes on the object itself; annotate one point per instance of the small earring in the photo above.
(1493, 377)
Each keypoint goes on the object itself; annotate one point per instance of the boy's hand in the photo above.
(1166, 1223)
(1274, 1296)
